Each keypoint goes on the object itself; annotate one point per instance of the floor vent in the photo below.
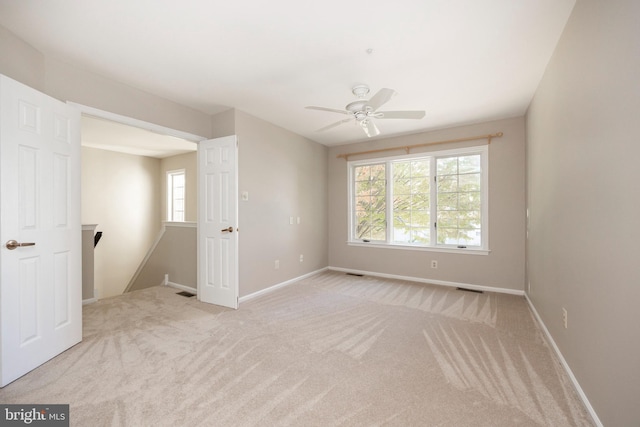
(470, 290)
(186, 294)
(354, 274)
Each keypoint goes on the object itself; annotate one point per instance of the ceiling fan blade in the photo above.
(331, 110)
(333, 125)
(382, 97)
(370, 128)
(400, 114)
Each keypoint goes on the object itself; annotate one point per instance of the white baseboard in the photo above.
(181, 287)
(89, 301)
(565, 365)
(278, 286)
(432, 282)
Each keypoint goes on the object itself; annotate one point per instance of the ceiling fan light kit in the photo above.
(363, 111)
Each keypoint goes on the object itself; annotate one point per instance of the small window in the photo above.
(176, 181)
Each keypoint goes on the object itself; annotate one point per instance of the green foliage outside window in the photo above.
(459, 205)
(433, 201)
(370, 202)
(411, 194)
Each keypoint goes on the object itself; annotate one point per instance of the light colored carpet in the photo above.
(329, 350)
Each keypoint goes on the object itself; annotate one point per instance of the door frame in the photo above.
(129, 121)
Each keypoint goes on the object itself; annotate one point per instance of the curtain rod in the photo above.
(407, 148)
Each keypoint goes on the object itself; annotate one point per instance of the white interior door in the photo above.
(218, 221)
(40, 281)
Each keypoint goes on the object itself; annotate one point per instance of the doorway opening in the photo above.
(124, 194)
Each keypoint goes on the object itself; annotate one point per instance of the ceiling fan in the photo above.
(363, 111)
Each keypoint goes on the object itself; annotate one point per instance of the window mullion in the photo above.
(433, 199)
(389, 191)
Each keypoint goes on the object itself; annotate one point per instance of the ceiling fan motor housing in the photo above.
(359, 109)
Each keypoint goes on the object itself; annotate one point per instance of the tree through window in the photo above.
(435, 200)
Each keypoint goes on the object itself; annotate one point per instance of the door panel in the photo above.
(29, 285)
(40, 284)
(61, 289)
(218, 222)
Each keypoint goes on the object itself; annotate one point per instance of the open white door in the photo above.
(218, 221)
(40, 252)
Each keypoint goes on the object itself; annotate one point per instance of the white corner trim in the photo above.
(182, 287)
(278, 286)
(431, 281)
(565, 365)
(89, 301)
(145, 259)
(130, 121)
(441, 249)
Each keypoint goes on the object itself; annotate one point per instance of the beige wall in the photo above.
(583, 197)
(88, 261)
(175, 254)
(120, 193)
(285, 175)
(502, 268)
(188, 162)
(20, 61)
(24, 63)
(223, 124)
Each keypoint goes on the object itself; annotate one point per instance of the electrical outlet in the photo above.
(277, 264)
(434, 263)
(564, 317)
(301, 258)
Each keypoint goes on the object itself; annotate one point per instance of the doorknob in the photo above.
(12, 244)
(230, 229)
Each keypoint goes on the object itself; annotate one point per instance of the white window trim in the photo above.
(483, 150)
(170, 193)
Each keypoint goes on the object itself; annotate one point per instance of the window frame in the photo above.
(170, 199)
(483, 249)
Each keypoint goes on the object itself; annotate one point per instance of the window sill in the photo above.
(186, 224)
(463, 251)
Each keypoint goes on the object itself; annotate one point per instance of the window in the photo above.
(175, 195)
(436, 200)
(370, 202)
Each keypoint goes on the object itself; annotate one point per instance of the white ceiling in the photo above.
(462, 61)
